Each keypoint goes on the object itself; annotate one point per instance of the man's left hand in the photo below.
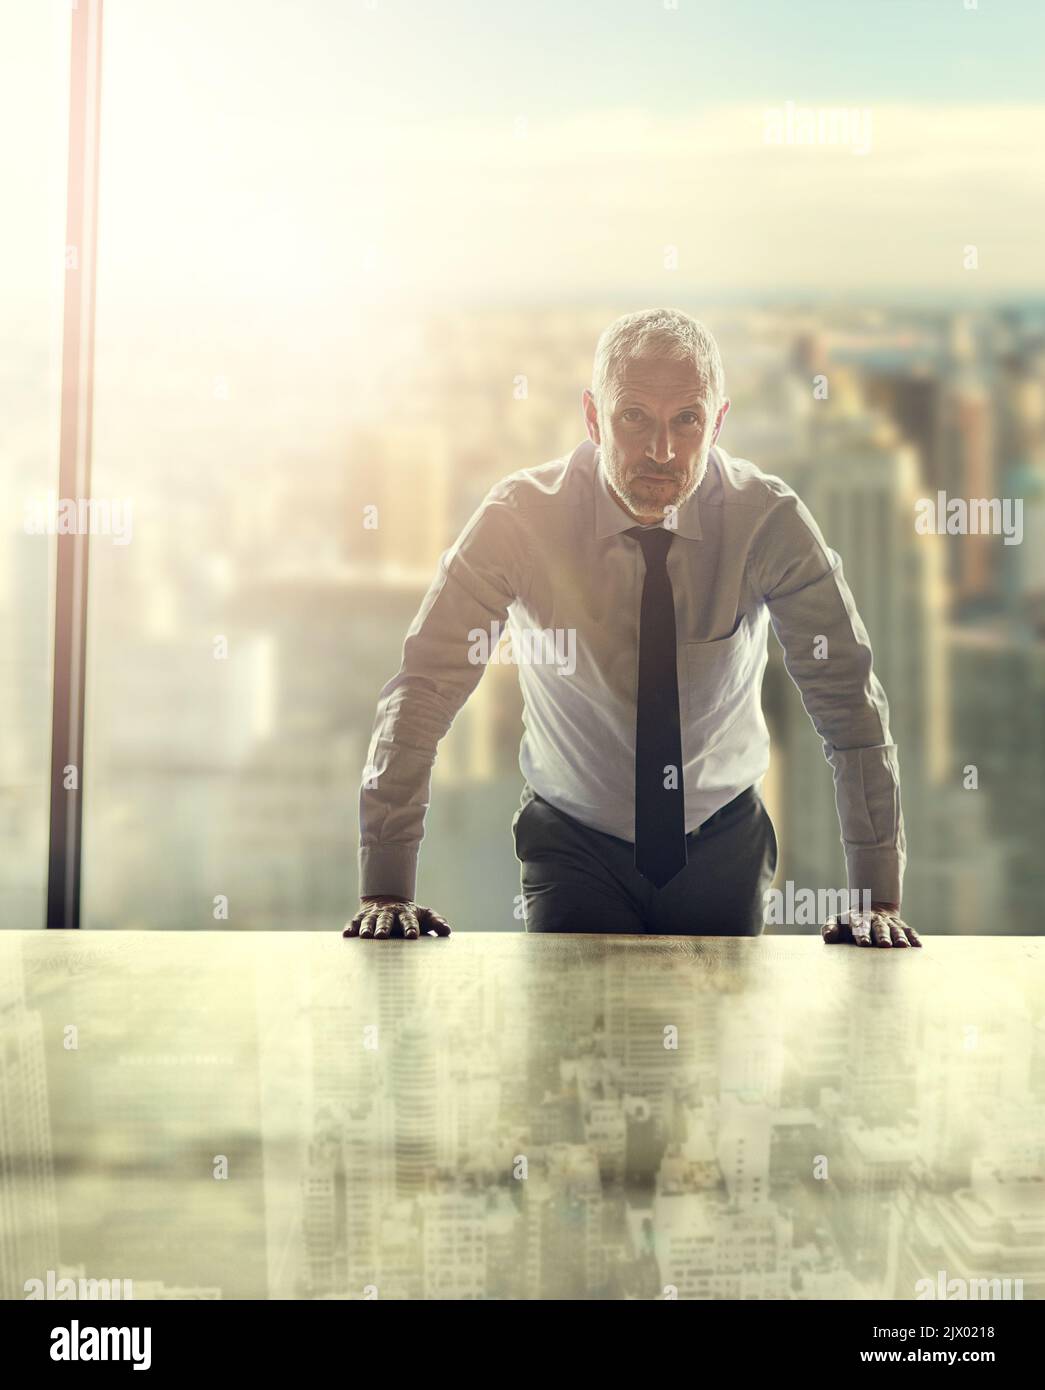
(882, 926)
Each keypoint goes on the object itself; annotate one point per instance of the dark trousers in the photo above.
(575, 879)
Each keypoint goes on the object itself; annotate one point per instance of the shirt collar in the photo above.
(611, 518)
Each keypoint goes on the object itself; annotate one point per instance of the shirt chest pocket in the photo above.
(716, 673)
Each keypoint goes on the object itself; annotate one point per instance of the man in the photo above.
(661, 561)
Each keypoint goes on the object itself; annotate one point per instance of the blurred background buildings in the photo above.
(240, 776)
(367, 299)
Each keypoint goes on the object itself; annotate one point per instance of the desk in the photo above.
(508, 1116)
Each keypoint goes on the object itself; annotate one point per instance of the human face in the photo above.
(655, 429)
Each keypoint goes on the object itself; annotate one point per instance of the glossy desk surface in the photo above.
(511, 1116)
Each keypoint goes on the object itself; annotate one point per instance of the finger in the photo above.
(896, 930)
(353, 927)
(369, 922)
(861, 929)
(432, 921)
(386, 918)
(880, 930)
(912, 935)
(835, 932)
(408, 921)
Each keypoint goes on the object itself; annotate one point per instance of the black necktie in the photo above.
(660, 811)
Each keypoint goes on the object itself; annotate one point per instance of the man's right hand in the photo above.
(383, 916)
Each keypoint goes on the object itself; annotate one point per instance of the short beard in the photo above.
(648, 505)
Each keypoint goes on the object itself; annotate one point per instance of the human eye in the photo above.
(632, 415)
(689, 418)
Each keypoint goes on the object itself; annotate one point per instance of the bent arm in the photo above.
(442, 663)
(827, 654)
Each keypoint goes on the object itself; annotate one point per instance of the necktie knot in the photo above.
(655, 542)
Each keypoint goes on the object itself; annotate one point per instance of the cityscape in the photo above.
(288, 290)
(236, 780)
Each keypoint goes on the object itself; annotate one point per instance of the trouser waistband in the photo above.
(723, 813)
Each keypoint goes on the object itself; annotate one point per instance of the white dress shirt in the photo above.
(545, 556)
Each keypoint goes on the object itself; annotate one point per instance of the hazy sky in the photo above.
(319, 151)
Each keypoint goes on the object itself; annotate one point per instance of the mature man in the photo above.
(662, 560)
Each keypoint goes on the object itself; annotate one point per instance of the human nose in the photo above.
(659, 449)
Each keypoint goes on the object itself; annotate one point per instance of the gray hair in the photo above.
(657, 333)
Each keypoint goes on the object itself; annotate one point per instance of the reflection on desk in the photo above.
(520, 1116)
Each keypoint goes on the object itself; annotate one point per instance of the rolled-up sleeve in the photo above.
(827, 654)
(477, 580)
